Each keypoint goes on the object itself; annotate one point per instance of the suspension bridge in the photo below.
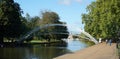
(27, 35)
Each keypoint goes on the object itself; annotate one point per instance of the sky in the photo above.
(69, 11)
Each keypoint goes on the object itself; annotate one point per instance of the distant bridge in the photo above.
(24, 38)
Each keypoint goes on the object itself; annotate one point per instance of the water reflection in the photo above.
(39, 52)
(31, 53)
(76, 45)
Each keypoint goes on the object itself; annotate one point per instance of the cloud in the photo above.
(69, 2)
(80, 1)
(65, 2)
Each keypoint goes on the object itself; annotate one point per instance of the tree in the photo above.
(53, 18)
(35, 21)
(103, 18)
(31, 22)
(10, 22)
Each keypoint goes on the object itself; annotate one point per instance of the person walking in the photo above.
(118, 48)
(100, 40)
(110, 42)
(106, 41)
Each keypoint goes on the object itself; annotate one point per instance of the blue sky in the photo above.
(69, 11)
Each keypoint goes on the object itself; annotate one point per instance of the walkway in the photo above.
(99, 51)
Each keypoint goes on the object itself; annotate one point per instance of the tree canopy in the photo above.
(54, 31)
(14, 25)
(103, 19)
(10, 22)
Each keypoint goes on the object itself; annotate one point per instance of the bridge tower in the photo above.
(70, 36)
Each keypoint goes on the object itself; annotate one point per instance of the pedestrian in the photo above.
(118, 48)
(100, 40)
(110, 42)
(106, 41)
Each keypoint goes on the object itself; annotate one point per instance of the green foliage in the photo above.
(31, 22)
(103, 18)
(10, 22)
(13, 25)
(54, 31)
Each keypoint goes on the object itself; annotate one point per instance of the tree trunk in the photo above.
(1, 39)
(48, 40)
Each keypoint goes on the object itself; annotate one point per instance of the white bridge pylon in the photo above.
(78, 29)
(88, 35)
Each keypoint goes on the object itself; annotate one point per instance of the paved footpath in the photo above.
(99, 51)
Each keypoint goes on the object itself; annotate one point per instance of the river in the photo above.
(40, 52)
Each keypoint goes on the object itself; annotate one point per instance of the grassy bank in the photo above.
(90, 43)
(44, 43)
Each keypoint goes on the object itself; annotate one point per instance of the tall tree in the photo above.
(103, 18)
(10, 22)
(35, 21)
(53, 18)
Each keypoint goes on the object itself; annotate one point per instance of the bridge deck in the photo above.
(99, 51)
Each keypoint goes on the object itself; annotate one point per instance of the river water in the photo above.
(40, 52)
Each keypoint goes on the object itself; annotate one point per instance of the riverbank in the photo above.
(99, 51)
(35, 42)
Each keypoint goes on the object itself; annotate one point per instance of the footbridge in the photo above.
(27, 35)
